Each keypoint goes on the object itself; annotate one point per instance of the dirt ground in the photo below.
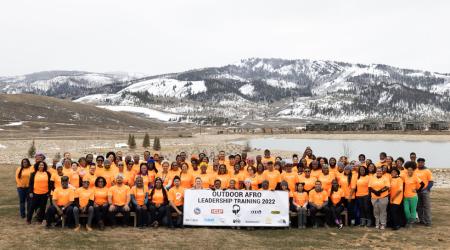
(15, 234)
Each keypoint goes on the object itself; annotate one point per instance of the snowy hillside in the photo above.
(264, 89)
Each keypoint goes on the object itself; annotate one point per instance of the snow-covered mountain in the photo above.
(268, 89)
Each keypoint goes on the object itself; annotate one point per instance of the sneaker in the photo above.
(352, 222)
(340, 226)
(382, 227)
(363, 223)
(377, 227)
(77, 228)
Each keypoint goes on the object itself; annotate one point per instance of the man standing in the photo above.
(424, 203)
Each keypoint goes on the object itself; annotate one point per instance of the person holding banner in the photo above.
(318, 201)
(176, 201)
(198, 185)
(299, 205)
(223, 176)
(158, 203)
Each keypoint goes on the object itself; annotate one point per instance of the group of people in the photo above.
(105, 189)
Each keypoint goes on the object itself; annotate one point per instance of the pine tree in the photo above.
(132, 143)
(129, 140)
(247, 147)
(146, 142)
(32, 150)
(156, 144)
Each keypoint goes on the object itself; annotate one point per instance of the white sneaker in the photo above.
(382, 227)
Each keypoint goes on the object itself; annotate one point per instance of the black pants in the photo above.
(119, 209)
(100, 213)
(313, 211)
(363, 203)
(158, 213)
(51, 213)
(351, 209)
(395, 212)
(39, 201)
(335, 213)
(141, 216)
(179, 219)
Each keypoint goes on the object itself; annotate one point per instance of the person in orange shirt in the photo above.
(74, 178)
(308, 180)
(129, 173)
(111, 157)
(108, 173)
(395, 199)
(139, 199)
(158, 203)
(165, 175)
(83, 167)
(333, 165)
(253, 178)
(316, 172)
(99, 165)
(67, 167)
(272, 176)
(207, 178)
(238, 176)
(308, 156)
(23, 174)
(267, 157)
(318, 201)
(379, 188)
(40, 188)
(382, 160)
(100, 201)
(186, 177)
(424, 202)
(84, 204)
(347, 182)
(198, 185)
(217, 185)
(119, 200)
(363, 198)
(336, 205)
(61, 204)
(290, 177)
(300, 204)
(326, 178)
(176, 201)
(413, 185)
(55, 179)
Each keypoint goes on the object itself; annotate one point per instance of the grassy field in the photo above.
(15, 234)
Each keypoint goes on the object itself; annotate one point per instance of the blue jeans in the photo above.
(23, 198)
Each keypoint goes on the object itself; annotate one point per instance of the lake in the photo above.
(434, 152)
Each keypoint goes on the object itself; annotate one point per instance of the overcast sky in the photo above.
(170, 36)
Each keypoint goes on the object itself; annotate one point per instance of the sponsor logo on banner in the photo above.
(275, 212)
(256, 212)
(236, 221)
(222, 220)
(197, 211)
(236, 209)
(216, 211)
(282, 221)
(208, 219)
(252, 221)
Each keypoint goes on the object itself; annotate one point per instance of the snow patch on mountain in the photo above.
(150, 113)
(247, 89)
(167, 87)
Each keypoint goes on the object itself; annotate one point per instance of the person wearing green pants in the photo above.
(412, 185)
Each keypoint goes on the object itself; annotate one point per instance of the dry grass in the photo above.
(14, 233)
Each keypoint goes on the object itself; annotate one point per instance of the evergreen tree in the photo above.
(146, 142)
(32, 150)
(156, 144)
(132, 143)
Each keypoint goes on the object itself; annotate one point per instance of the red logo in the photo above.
(216, 211)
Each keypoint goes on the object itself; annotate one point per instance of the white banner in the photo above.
(236, 208)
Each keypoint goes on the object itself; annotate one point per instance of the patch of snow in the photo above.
(247, 89)
(151, 113)
(121, 145)
(2, 146)
(281, 84)
(167, 87)
(11, 124)
(40, 117)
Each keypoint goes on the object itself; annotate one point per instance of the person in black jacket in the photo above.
(40, 187)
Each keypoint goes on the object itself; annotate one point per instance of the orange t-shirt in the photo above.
(24, 181)
(362, 186)
(300, 198)
(316, 173)
(326, 181)
(273, 177)
(67, 171)
(265, 160)
(40, 183)
(336, 196)
(207, 180)
(377, 184)
(129, 178)
(109, 176)
(240, 177)
(186, 180)
(119, 194)
(255, 182)
(139, 194)
(84, 195)
(309, 182)
(56, 180)
(74, 179)
(424, 175)
(411, 185)
(101, 196)
(158, 197)
(291, 178)
(176, 196)
(62, 196)
(318, 198)
(347, 187)
(91, 178)
(224, 180)
(396, 185)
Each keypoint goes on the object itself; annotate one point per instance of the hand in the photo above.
(179, 212)
(59, 212)
(83, 210)
(112, 208)
(157, 205)
(126, 208)
(31, 195)
(144, 207)
(95, 205)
